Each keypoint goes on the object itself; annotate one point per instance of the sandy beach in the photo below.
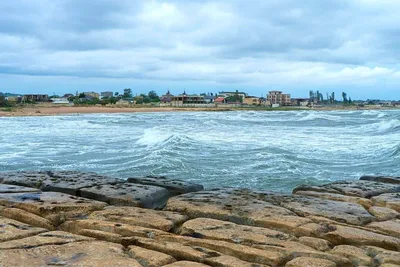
(60, 110)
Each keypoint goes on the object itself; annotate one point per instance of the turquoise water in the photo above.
(259, 150)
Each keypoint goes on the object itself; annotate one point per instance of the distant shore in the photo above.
(54, 110)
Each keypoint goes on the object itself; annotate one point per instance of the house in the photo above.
(301, 102)
(220, 100)
(167, 98)
(277, 97)
(60, 100)
(92, 94)
(107, 94)
(252, 100)
(35, 98)
(224, 94)
(185, 99)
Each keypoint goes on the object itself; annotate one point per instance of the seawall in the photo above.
(70, 218)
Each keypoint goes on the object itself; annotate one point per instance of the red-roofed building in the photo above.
(220, 100)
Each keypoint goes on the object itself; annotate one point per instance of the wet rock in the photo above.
(4, 188)
(344, 235)
(391, 228)
(364, 189)
(383, 214)
(56, 207)
(69, 182)
(343, 212)
(86, 253)
(48, 238)
(356, 255)
(310, 262)
(128, 194)
(11, 229)
(162, 220)
(381, 179)
(174, 186)
(150, 258)
(391, 201)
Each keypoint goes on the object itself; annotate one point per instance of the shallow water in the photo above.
(259, 150)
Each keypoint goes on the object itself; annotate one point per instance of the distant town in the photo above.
(273, 99)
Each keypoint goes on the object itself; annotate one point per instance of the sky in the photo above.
(64, 46)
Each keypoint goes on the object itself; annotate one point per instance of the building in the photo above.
(209, 99)
(107, 94)
(224, 94)
(252, 100)
(220, 100)
(301, 102)
(60, 100)
(277, 97)
(167, 98)
(92, 94)
(35, 98)
(184, 99)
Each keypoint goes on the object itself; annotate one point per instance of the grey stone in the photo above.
(175, 187)
(4, 188)
(365, 189)
(339, 211)
(381, 179)
(128, 194)
(69, 182)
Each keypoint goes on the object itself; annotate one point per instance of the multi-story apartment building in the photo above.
(277, 97)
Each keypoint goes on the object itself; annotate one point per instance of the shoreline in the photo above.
(63, 110)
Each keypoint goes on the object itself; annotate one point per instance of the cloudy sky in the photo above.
(65, 46)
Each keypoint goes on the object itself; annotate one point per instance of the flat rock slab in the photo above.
(310, 262)
(148, 257)
(339, 211)
(382, 179)
(11, 229)
(48, 238)
(162, 220)
(4, 188)
(128, 194)
(175, 187)
(391, 228)
(391, 201)
(56, 207)
(365, 189)
(69, 182)
(86, 253)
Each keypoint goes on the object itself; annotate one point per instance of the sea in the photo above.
(262, 150)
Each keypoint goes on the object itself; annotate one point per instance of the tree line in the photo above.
(318, 97)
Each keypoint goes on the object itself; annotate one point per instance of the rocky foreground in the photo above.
(70, 218)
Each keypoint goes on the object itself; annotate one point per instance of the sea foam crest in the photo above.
(320, 116)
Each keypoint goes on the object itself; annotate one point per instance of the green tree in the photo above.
(344, 96)
(127, 93)
(82, 95)
(153, 96)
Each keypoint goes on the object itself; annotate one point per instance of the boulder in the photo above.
(128, 194)
(69, 182)
(162, 220)
(356, 255)
(310, 262)
(174, 186)
(381, 179)
(47, 238)
(344, 235)
(150, 258)
(11, 229)
(5, 188)
(391, 201)
(316, 243)
(240, 206)
(364, 189)
(56, 207)
(185, 264)
(85, 253)
(339, 211)
(383, 214)
(391, 228)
